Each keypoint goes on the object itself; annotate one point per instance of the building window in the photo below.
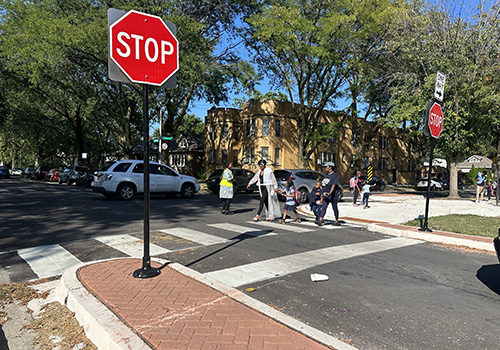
(383, 142)
(236, 132)
(236, 153)
(366, 162)
(353, 138)
(264, 152)
(277, 127)
(327, 157)
(211, 156)
(250, 127)
(265, 127)
(225, 131)
(250, 155)
(224, 157)
(212, 132)
(353, 160)
(382, 163)
(178, 160)
(277, 160)
(412, 166)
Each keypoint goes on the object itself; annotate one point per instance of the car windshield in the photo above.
(217, 173)
(106, 166)
(282, 175)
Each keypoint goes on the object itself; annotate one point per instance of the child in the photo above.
(316, 200)
(366, 194)
(290, 195)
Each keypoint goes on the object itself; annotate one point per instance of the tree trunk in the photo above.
(453, 177)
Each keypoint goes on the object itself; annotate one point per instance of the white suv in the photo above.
(125, 179)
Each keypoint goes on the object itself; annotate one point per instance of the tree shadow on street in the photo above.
(490, 276)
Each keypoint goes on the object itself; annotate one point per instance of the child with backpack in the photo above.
(366, 194)
(316, 200)
(291, 199)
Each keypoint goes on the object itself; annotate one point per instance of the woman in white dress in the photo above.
(268, 188)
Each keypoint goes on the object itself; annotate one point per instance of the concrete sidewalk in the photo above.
(179, 309)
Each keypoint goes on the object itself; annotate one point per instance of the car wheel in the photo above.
(304, 193)
(235, 188)
(187, 191)
(126, 191)
(433, 188)
(60, 181)
(382, 187)
(68, 181)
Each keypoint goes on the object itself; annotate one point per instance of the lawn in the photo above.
(467, 224)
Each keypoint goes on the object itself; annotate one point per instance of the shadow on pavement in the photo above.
(3, 341)
(490, 276)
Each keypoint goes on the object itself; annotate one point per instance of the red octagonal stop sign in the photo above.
(435, 120)
(144, 48)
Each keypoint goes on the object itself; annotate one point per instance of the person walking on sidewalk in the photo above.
(226, 189)
(480, 182)
(268, 187)
(290, 194)
(366, 194)
(355, 184)
(330, 186)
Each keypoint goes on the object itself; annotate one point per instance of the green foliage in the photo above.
(464, 224)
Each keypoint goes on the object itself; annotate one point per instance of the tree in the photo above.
(426, 40)
(310, 48)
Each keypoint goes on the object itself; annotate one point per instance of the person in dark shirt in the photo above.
(316, 200)
(330, 187)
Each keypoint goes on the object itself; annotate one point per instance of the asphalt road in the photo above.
(382, 293)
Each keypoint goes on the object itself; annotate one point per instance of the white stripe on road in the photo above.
(3, 190)
(49, 260)
(27, 190)
(242, 230)
(195, 236)
(289, 226)
(262, 270)
(131, 245)
(328, 226)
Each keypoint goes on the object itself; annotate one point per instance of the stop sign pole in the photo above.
(143, 49)
(434, 126)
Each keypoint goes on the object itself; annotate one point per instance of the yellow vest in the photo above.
(225, 182)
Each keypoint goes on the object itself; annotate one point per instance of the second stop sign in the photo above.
(144, 48)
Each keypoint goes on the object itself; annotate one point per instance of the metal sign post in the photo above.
(425, 226)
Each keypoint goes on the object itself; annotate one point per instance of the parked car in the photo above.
(16, 172)
(53, 175)
(241, 178)
(39, 173)
(446, 184)
(71, 174)
(379, 184)
(304, 181)
(85, 178)
(125, 179)
(435, 184)
(4, 172)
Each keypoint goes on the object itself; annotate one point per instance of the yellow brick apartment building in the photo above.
(266, 129)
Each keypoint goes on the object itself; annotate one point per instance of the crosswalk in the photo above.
(47, 189)
(52, 260)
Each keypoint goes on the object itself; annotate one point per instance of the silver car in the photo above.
(304, 181)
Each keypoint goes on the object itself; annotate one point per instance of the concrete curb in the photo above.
(108, 332)
(101, 325)
(265, 309)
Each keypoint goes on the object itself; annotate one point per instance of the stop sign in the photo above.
(144, 48)
(435, 120)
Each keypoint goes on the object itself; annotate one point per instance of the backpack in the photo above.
(296, 198)
(352, 182)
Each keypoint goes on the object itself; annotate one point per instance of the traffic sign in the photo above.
(439, 90)
(144, 48)
(435, 120)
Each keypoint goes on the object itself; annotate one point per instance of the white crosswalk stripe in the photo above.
(289, 226)
(49, 260)
(271, 268)
(3, 190)
(243, 230)
(327, 226)
(195, 236)
(131, 245)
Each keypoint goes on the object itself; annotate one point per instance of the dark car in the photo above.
(241, 178)
(73, 174)
(4, 172)
(304, 181)
(446, 184)
(379, 184)
(39, 173)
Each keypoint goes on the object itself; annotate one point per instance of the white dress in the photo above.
(273, 205)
